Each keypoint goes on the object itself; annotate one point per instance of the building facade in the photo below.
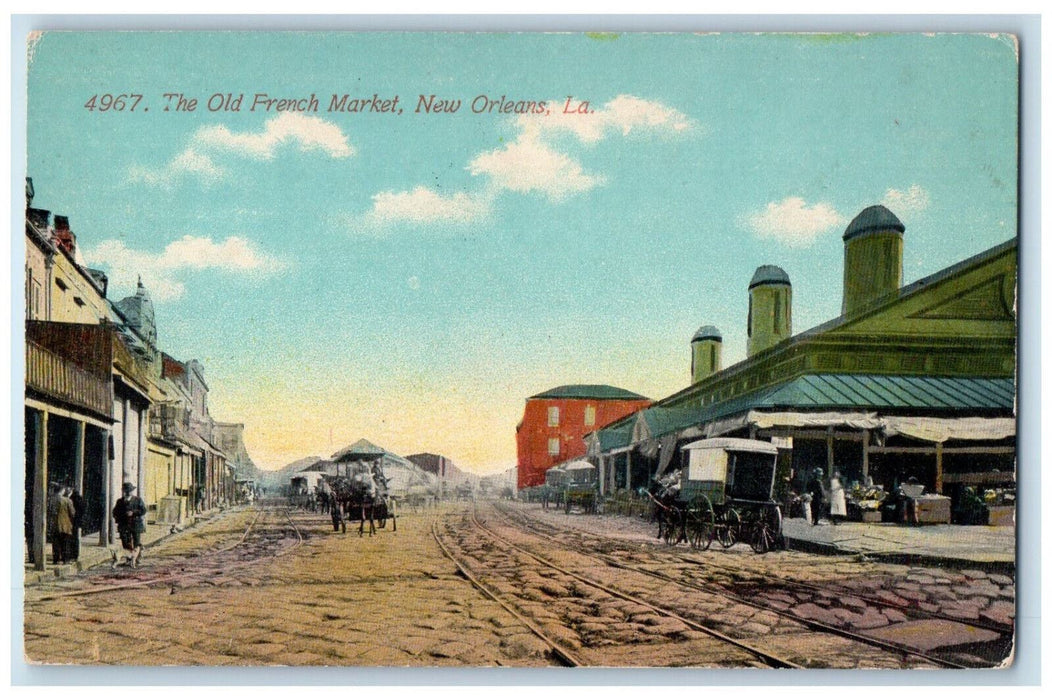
(555, 422)
(910, 381)
(97, 401)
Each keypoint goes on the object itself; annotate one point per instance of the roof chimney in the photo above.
(64, 237)
(872, 258)
(706, 349)
(770, 309)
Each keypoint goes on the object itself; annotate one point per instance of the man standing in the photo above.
(814, 487)
(78, 524)
(129, 513)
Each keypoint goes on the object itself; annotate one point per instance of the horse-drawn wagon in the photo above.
(362, 494)
(726, 494)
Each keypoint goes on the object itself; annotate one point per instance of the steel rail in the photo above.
(765, 578)
(770, 659)
(812, 624)
(558, 652)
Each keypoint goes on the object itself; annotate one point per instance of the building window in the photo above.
(553, 416)
(589, 415)
(553, 446)
(61, 284)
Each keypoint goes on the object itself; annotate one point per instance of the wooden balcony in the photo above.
(69, 371)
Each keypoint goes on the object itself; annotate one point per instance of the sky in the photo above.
(410, 273)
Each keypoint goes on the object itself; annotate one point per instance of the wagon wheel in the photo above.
(728, 530)
(701, 523)
(673, 525)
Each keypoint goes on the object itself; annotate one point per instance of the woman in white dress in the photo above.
(837, 499)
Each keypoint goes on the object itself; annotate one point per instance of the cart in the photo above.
(727, 494)
(581, 486)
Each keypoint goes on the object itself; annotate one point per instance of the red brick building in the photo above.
(555, 422)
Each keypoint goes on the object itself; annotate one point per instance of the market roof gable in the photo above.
(363, 449)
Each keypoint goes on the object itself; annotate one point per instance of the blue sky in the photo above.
(412, 278)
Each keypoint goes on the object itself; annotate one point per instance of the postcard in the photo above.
(462, 349)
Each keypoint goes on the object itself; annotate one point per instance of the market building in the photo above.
(909, 381)
(555, 422)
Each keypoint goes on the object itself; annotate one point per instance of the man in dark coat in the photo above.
(78, 524)
(130, 513)
(814, 487)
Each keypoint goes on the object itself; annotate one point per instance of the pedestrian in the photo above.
(64, 524)
(817, 491)
(337, 516)
(129, 513)
(78, 524)
(54, 495)
(837, 499)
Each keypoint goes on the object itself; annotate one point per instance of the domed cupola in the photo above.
(138, 310)
(872, 257)
(706, 349)
(770, 308)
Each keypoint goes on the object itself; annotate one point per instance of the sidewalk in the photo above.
(977, 546)
(93, 554)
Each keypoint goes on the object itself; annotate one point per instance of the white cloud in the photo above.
(161, 272)
(304, 131)
(423, 205)
(623, 114)
(912, 201)
(793, 222)
(189, 162)
(529, 165)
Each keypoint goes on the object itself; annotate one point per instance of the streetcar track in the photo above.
(767, 658)
(556, 650)
(813, 624)
(761, 579)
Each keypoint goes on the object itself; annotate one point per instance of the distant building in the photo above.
(451, 479)
(555, 422)
(910, 381)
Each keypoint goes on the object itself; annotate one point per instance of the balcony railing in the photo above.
(58, 378)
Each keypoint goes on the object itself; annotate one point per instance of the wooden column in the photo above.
(865, 454)
(140, 456)
(628, 470)
(78, 466)
(829, 453)
(125, 442)
(938, 468)
(39, 489)
(105, 531)
(602, 475)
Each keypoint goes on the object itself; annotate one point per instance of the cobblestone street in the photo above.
(267, 586)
